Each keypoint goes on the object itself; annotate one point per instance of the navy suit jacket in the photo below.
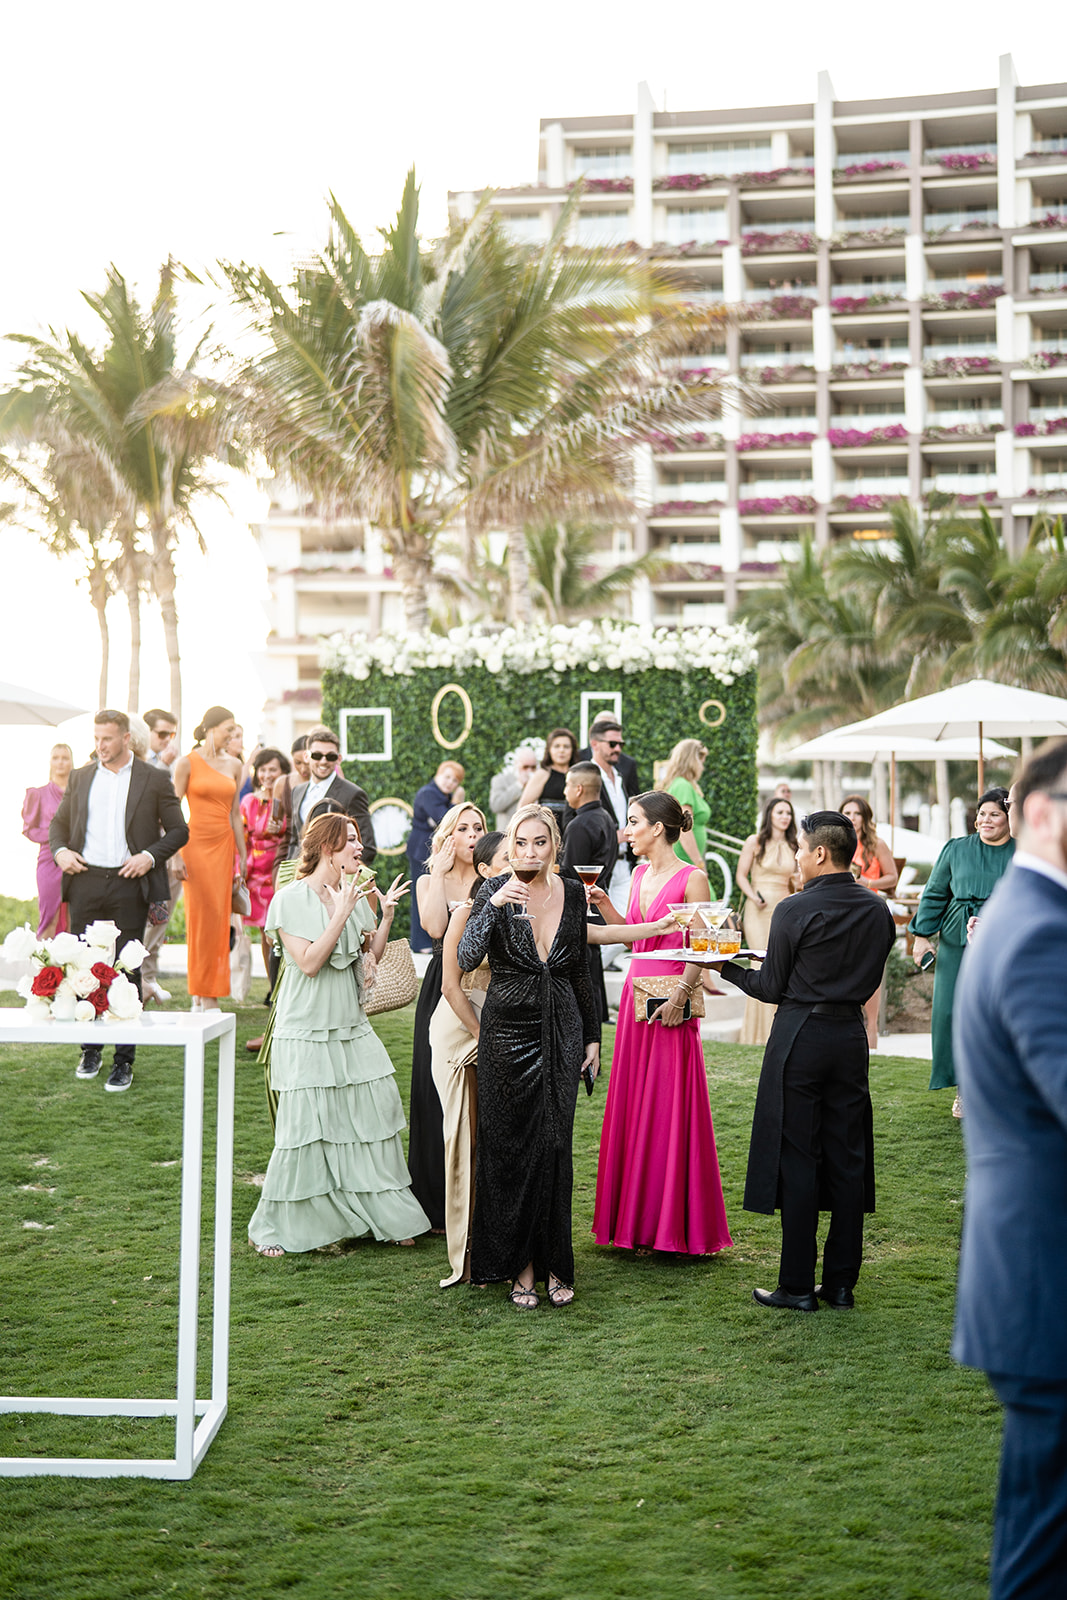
(1010, 1040)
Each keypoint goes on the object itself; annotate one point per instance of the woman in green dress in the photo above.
(964, 876)
(338, 1170)
(685, 767)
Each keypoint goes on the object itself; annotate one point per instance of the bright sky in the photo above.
(216, 130)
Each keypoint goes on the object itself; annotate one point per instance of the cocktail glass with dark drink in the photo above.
(589, 876)
(526, 872)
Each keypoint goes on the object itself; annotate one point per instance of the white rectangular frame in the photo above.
(613, 696)
(386, 714)
(191, 1440)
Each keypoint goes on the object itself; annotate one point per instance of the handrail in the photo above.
(726, 839)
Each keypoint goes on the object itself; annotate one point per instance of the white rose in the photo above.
(84, 1011)
(66, 990)
(123, 1001)
(84, 957)
(83, 983)
(24, 987)
(102, 936)
(63, 948)
(38, 1008)
(20, 943)
(132, 954)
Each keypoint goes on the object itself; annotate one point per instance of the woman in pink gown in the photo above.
(658, 1185)
(38, 809)
(256, 808)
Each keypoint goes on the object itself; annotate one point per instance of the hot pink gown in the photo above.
(658, 1182)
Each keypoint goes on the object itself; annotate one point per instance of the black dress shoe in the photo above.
(778, 1300)
(840, 1299)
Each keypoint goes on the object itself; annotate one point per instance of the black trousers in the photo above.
(823, 1152)
(100, 895)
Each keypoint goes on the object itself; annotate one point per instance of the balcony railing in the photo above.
(949, 221)
(881, 219)
(896, 485)
(1048, 282)
(987, 417)
(947, 350)
(961, 483)
(777, 358)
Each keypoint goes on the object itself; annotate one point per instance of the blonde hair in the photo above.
(527, 814)
(684, 761)
(448, 825)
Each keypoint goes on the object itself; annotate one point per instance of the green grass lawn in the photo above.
(662, 1437)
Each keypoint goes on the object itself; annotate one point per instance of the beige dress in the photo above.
(773, 877)
(453, 1054)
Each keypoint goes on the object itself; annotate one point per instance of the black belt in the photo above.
(826, 1008)
(104, 872)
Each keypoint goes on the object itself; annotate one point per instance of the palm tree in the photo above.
(474, 383)
(567, 584)
(153, 424)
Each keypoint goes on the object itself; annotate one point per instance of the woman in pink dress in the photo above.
(268, 765)
(658, 1185)
(38, 809)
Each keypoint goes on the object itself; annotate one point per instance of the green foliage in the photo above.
(663, 1437)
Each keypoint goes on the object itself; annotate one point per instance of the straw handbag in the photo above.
(660, 986)
(395, 981)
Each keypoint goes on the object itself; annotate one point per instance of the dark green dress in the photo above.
(964, 876)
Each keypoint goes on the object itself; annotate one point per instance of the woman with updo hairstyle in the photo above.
(210, 781)
(337, 1170)
(658, 1184)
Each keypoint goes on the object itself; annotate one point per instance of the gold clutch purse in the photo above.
(659, 987)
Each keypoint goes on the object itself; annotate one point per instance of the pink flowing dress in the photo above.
(38, 809)
(658, 1184)
(262, 851)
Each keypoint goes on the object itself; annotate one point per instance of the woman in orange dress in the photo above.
(210, 781)
(873, 865)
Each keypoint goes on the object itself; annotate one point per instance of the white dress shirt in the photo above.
(105, 829)
(612, 786)
(316, 791)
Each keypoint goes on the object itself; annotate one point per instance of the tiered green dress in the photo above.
(338, 1169)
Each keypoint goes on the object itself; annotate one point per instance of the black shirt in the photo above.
(590, 838)
(828, 944)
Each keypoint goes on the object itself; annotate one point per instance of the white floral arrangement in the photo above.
(78, 979)
(723, 652)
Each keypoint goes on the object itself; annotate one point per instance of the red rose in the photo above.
(98, 998)
(47, 982)
(105, 973)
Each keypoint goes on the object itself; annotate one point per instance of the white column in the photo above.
(780, 148)
(914, 266)
(554, 173)
(914, 400)
(644, 477)
(1006, 328)
(733, 277)
(731, 412)
(822, 471)
(643, 167)
(1004, 444)
(374, 550)
(1006, 143)
(822, 338)
(641, 608)
(825, 152)
(730, 538)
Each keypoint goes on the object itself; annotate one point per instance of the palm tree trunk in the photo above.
(99, 590)
(164, 584)
(519, 605)
(413, 570)
(133, 602)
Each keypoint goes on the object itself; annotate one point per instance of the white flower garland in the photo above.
(723, 653)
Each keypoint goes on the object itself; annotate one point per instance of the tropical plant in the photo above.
(464, 387)
(146, 419)
(568, 585)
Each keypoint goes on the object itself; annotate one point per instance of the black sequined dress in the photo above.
(537, 1019)
(426, 1142)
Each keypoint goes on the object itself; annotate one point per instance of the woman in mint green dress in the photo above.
(964, 876)
(685, 767)
(338, 1170)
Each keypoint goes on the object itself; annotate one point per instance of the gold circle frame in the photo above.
(468, 716)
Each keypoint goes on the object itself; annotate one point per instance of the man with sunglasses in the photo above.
(1010, 1028)
(326, 783)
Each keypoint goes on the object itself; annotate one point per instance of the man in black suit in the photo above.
(608, 723)
(117, 826)
(326, 783)
(589, 840)
(1010, 1027)
(812, 1142)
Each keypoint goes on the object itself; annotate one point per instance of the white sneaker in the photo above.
(154, 991)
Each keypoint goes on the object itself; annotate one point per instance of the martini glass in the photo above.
(526, 872)
(589, 876)
(683, 913)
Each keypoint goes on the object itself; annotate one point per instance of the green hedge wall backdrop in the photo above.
(672, 684)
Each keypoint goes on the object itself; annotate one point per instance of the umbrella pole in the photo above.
(893, 788)
(981, 763)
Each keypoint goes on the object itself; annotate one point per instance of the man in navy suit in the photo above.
(1011, 1312)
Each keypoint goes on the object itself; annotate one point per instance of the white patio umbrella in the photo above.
(18, 705)
(979, 706)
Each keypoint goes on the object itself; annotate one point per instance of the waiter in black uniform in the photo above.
(812, 1142)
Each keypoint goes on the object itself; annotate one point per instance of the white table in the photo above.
(190, 1031)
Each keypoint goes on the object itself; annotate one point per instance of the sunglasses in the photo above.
(612, 744)
(329, 756)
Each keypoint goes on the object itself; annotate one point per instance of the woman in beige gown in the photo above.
(765, 875)
(453, 1054)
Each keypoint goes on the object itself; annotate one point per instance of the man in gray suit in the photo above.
(326, 783)
(1010, 1022)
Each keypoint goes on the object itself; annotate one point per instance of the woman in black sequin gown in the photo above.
(449, 883)
(539, 1029)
